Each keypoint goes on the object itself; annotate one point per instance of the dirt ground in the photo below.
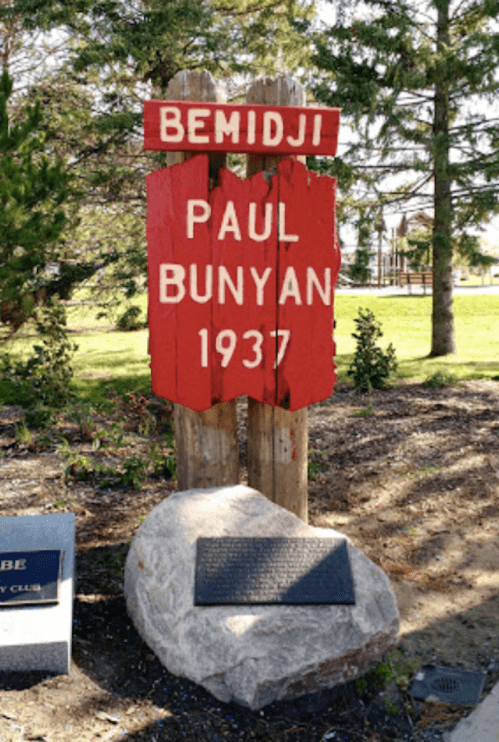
(410, 474)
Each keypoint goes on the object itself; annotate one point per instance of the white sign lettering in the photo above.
(9, 564)
(173, 286)
(24, 588)
(215, 125)
(226, 341)
(227, 128)
(199, 212)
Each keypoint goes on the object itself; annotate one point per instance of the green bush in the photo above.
(371, 366)
(129, 320)
(440, 379)
(42, 382)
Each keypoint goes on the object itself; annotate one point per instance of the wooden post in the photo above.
(206, 442)
(277, 438)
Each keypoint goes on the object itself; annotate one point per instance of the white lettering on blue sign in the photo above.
(12, 564)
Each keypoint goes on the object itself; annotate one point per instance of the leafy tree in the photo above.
(415, 235)
(33, 192)
(491, 252)
(416, 83)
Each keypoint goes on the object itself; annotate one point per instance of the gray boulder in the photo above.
(250, 654)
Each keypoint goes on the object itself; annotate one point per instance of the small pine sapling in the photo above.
(371, 366)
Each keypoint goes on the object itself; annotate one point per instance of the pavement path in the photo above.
(482, 725)
(417, 290)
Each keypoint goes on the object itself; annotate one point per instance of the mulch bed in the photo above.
(118, 690)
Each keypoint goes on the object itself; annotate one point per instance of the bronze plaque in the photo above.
(231, 571)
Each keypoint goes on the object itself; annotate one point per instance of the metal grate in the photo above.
(448, 684)
(445, 685)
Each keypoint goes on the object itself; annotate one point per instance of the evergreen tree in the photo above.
(114, 56)
(33, 192)
(416, 82)
(359, 270)
(107, 188)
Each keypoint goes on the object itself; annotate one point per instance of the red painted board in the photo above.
(308, 270)
(241, 285)
(176, 371)
(203, 127)
(159, 227)
(243, 212)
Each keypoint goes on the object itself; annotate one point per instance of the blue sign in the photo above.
(30, 577)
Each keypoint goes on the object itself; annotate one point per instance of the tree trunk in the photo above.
(443, 336)
(206, 442)
(277, 438)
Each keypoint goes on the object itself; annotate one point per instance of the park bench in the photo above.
(421, 278)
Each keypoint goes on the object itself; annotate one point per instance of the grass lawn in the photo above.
(120, 359)
(479, 281)
(406, 322)
(107, 359)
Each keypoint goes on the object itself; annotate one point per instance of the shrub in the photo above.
(371, 366)
(440, 379)
(42, 382)
(130, 320)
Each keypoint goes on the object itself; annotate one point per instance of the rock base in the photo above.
(252, 654)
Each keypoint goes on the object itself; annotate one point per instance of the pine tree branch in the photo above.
(257, 6)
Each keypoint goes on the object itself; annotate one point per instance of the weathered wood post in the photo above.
(206, 442)
(277, 438)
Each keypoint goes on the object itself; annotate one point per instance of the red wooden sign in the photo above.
(202, 127)
(241, 285)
